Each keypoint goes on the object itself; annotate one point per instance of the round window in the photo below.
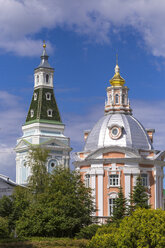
(115, 132)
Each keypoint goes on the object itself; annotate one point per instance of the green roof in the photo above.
(41, 105)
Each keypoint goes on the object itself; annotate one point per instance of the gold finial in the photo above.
(117, 80)
(44, 44)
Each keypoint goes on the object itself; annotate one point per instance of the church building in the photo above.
(117, 149)
(43, 125)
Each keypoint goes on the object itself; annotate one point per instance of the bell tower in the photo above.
(117, 95)
(43, 126)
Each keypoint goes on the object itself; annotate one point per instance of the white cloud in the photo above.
(21, 20)
(12, 116)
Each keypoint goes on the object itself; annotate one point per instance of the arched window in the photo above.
(35, 96)
(37, 78)
(123, 99)
(47, 78)
(116, 98)
(87, 181)
(32, 113)
(111, 202)
(111, 206)
(50, 112)
(48, 96)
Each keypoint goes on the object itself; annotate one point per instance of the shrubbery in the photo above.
(4, 228)
(145, 228)
(87, 232)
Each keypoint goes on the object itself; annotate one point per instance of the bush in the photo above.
(87, 232)
(4, 228)
(145, 228)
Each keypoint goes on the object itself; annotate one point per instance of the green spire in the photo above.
(43, 107)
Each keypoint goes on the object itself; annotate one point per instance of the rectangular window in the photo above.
(144, 178)
(111, 205)
(114, 180)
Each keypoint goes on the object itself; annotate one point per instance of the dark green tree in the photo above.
(139, 195)
(120, 206)
(61, 210)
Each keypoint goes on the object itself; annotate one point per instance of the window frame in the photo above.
(47, 78)
(35, 96)
(117, 98)
(144, 179)
(112, 181)
(50, 115)
(31, 113)
(87, 180)
(48, 94)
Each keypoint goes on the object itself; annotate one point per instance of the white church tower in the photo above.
(43, 124)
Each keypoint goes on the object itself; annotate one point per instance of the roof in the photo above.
(133, 133)
(44, 60)
(8, 180)
(40, 106)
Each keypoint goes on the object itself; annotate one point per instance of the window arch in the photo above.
(37, 78)
(111, 202)
(50, 112)
(32, 113)
(116, 98)
(47, 78)
(35, 96)
(48, 96)
(123, 98)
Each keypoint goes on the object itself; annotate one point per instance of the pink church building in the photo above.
(117, 149)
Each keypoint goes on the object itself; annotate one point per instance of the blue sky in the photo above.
(82, 39)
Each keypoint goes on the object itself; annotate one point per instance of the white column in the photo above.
(127, 186)
(93, 185)
(100, 173)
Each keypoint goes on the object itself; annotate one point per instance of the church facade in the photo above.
(117, 149)
(43, 126)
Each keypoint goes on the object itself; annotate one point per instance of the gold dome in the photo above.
(117, 80)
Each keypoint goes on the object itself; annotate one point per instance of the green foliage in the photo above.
(144, 229)
(38, 242)
(4, 228)
(139, 195)
(6, 206)
(119, 210)
(87, 232)
(61, 209)
(38, 181)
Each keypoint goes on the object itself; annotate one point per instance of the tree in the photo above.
(6, 206)
(38, 180)
(61, 210)
(119, 210)
(139, 195)
(4, 229)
